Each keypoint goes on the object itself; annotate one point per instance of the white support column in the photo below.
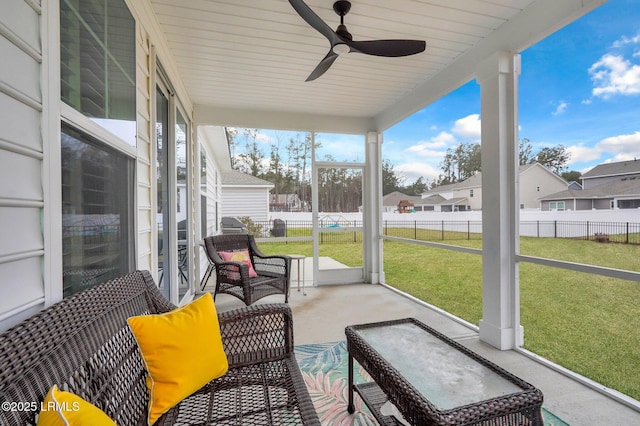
(498, 79)
(372, 209)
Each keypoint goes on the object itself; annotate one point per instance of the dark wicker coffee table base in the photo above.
(373, 396)
(517, 409)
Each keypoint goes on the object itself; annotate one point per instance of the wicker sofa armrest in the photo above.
(255, 334)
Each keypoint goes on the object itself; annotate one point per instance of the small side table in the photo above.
(300, 259)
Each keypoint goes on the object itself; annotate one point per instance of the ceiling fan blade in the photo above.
(323, 66)
(388, 48)
(314, 20)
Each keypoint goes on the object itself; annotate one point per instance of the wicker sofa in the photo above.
(83, 345)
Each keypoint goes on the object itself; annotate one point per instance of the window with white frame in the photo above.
(98, 63)
(556, 205)
(97, 72)
(97, 212)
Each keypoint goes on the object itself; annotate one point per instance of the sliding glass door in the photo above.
(174, 203)
(163, 183)
(183, 197)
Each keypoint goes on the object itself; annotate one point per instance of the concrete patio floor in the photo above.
(325, 311)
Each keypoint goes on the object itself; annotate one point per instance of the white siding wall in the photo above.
(243, 201)
(476, 201)
(21, 161)
(144, 165)
(536, 183)
(30, 264)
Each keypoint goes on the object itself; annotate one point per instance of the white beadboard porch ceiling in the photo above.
(244, 60)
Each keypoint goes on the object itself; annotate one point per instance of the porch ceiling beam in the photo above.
(281, 120)
(536, 22)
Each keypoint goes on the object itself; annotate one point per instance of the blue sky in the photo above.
(579, 87)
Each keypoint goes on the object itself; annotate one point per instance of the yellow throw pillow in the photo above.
(61, 408)
(182, 351)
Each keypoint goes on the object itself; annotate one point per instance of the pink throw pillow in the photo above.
(239, 256)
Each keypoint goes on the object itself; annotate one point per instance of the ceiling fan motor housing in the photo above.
(342, 7)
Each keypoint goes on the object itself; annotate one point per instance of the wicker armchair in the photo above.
(273, 272)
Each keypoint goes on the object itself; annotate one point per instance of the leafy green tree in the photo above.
(571, 176)
(554, 158)
(231, 139)
(274, 174)
(441, 180)
(463, 161)
(473, 162)
(460, 163)
(391, 181)
(253, 228)
(418, 187)
(252, 159)
(525, 152)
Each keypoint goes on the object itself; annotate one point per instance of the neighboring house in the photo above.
(391, 201)
(606, 186)
(535, 181)
(285, 203)
(459, 196)
(609, 172)
(575, 185)
(429, 204)
(245, 195)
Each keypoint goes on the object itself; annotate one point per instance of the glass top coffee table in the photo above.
(433, 380)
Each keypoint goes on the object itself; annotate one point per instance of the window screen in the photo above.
(97, 212)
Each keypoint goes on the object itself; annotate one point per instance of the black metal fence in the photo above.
(442, 230)
(344, 231)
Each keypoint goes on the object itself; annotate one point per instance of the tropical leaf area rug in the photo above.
(325, 370)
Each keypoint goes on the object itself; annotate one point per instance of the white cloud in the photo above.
(434, 147)
(623, 157)
(341, 147)
(561, 108)
(264, 138)
(624, 40)
(583, 154)
(622, 145)
(613, 75)
(468, 127)
(413, 170)
(614, 148)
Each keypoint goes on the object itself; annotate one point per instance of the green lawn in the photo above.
(584, 322)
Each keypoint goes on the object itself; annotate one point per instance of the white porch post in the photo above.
(372, 209)
(498, 79)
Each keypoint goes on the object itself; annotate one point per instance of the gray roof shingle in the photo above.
(620, 187)
(613, 169)
(393, 198)
(234, 177)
